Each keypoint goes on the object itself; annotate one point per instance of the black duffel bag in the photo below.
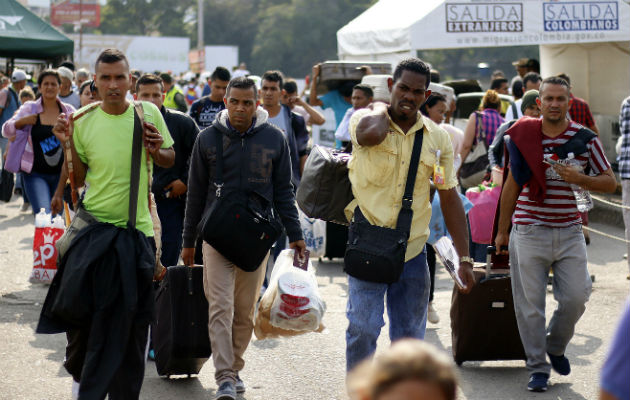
(241, 226)
(324, 190)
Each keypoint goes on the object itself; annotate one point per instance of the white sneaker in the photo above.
(432, 315)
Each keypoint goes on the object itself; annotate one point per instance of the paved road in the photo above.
(305, 367)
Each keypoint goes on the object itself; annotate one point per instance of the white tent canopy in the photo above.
(400, 27)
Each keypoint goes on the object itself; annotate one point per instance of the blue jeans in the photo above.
(171, 213)
(407, 302)
(40, 189)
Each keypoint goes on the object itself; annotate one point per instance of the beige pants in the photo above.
(232, 294)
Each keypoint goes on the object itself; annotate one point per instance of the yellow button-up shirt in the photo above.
(379, 173)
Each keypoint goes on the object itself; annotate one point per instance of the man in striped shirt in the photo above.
(538, 200)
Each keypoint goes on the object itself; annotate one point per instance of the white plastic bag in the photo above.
(291, 304)
(314, 232)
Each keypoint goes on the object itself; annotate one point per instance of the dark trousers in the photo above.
(127, 381)
(431, 263)
(171, 213)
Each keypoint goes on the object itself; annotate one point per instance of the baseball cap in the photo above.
(19, 75)
(521, 62)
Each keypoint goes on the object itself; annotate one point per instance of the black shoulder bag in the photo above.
(241, 226)
(375, 253)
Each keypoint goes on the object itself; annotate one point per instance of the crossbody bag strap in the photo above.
(406, 213)
(218, 173)
(134, 182)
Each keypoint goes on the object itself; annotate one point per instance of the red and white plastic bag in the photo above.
(291, 304)
(47, 233)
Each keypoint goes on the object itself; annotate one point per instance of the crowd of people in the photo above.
(79, 125)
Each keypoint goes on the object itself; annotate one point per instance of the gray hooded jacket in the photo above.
(256, 161)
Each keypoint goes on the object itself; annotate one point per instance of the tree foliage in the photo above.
(289, 35)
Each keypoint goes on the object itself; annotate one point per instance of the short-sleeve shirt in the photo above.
(339, 105)
(103, 142)
(378, 175)
(559, 209)
(580, 112)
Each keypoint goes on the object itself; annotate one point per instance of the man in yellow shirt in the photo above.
(382, 138)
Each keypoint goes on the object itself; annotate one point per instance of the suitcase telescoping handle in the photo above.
(490, 258)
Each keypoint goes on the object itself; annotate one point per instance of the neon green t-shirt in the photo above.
(103, 142)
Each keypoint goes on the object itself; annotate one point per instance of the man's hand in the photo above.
(188, 256)
(299, 246)
(56, 204)
(466, 275)
(152, 138)
(315, 72)
(569, 173)
(60, 129)
(501, 242)
(177, 188)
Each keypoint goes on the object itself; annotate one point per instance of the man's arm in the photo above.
(372, 128)
(313, 99)
(507, 204)
(603, 183)
(455, 219)
(316, 117)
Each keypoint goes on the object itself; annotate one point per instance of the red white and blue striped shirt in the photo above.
(559, 209)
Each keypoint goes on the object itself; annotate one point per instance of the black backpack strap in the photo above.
(406, 213)
(514, 111)
(576, 145)
(136, 152)
(218, 176)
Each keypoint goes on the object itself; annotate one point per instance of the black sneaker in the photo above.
(560, 364)
(538, 382)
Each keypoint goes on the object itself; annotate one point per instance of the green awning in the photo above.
(25, 35)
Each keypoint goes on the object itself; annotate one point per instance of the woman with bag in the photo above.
(34, 149)
(478, 135)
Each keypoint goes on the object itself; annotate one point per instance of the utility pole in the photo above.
(200, 24)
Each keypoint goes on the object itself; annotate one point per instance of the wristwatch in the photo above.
(466, 259)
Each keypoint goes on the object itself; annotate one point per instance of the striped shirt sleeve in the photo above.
(596, 157)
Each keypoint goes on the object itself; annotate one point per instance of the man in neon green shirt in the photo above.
(101, 152)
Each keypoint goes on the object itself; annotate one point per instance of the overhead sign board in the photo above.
(88, 12)
(448, 24)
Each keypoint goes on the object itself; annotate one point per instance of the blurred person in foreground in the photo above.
(616, 369)
(409, 370)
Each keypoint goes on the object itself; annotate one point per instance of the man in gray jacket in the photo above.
(256, 158)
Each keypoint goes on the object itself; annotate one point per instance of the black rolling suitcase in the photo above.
(483, 322)
(180, 330)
